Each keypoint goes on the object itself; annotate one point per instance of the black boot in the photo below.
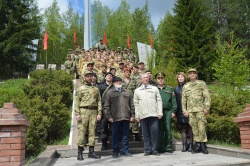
(104, 145)
(184, 148)
(80, 149)
(92, 153)
(197, 149)
(190, 148)
(204, 148)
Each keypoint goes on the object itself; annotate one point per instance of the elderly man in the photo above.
(195, 105)
(148, 109)
(119, 110)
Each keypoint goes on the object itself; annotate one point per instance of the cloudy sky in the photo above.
(157, 8)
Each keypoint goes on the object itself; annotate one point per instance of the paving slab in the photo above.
(165, 159)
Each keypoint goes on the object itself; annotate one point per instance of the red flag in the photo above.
(74, 39)
(45, 41)
(104, 39)
(151, 40)
(128, 41)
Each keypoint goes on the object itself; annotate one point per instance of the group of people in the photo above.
(127, 99)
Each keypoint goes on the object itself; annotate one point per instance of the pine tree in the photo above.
(19, 25)
(193, 34)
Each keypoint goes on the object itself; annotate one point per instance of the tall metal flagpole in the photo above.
(87, 25)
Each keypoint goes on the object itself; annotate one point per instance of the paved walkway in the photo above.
(166, 159)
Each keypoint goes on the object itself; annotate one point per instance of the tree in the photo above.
(231, 67)
(141, 26)
(193, 34)
(19, 25)
(231, 16)
(164, 39)
(72, 22)
(100, 16)
(119, 25)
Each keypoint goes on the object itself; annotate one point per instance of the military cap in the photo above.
(69, 55)
(160, 75)
(116, 79)
(121, 62)
(112, 68)
(70, 49)
(190, 70)
(100, 40)
(136, 67)
(108, 74)
(90, 62)
(77, 50)
(125, 49)
(130, 48)
(87, 72)
(140, 63)
(103, 65)
(118, 47)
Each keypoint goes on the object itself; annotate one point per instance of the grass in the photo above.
(227, 144)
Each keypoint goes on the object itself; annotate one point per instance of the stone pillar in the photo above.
(244, 124)
(12, 135)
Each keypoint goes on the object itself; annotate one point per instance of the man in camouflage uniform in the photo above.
(120, 71)
(125, 54)
(88, 109)
(169, 107)
(69, 65)
(101, 46)
(132, 57)
(141, 67)
(195, 105)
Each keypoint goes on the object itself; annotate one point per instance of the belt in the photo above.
(89, 107)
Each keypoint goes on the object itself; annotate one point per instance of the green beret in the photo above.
(160, 75)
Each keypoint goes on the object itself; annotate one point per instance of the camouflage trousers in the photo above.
(198, 121)
(88, 123)
(135, 127)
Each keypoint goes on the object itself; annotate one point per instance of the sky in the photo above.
(157, 8)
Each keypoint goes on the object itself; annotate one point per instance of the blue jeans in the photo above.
(117, 128)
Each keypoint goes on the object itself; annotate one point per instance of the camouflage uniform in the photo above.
(69, 66)
(88, 106)
(195, 100)
(132, 58)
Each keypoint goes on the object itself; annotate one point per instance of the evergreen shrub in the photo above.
(46, 102)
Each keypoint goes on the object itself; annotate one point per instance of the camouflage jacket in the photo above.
(88, 96)
(195, 97)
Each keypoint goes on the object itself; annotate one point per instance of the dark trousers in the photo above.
(104, 129)
(150, 134)
(117, 128)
